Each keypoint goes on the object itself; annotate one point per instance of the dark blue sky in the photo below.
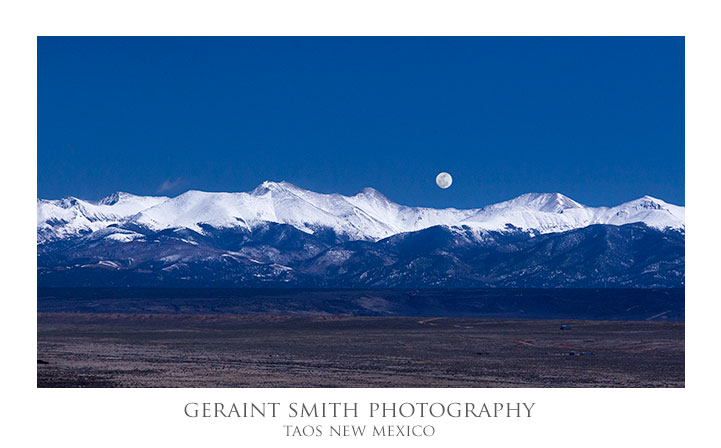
(598, 119)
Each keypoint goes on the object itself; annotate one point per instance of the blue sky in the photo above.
(598, 119)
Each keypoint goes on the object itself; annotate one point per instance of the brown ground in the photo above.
(153, 350)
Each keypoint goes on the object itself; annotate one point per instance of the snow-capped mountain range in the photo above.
(366, 216)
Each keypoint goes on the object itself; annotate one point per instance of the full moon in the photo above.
(444, 180)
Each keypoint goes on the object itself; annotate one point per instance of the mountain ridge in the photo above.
(367, 215)
(280, 235)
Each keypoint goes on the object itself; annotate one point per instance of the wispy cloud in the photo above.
(169, 185)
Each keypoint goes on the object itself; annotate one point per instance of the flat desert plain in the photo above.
(221, 350)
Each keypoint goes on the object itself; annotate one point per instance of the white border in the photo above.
(621, 417)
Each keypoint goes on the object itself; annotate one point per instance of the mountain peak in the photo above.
(370, 192)
(545, 202)
(648, 202)
(652, 199)
(69, 201)
(269, 186)
(116, 197)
